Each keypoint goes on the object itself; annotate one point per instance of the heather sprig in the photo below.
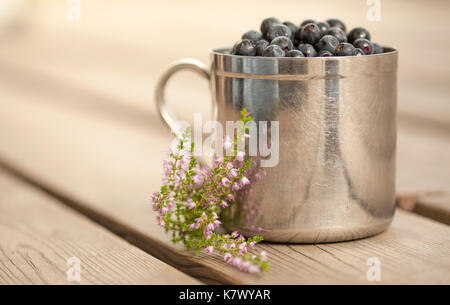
(193, 196)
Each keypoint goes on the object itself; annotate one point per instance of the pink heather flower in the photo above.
(254, 269)
(229, 165)
(240, 156)
(252, 245)
(214, 215)
(207, 234)
(234, 234)
(242, 248)
(197, 179)
(190, 204)
(263, 255)
(163, 210)
(227, 257)
(245, 181)
(160, 221)
(170, 205)
(227, 142)
(209, 249)
(236, 187)
(154, 207)
(216, 223)
(223, 204)
(230, 197)
(225, 182)
(233, 172)
(218, 160)
(192, 226)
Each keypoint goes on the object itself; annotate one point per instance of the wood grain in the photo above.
(107, 170)
(38, 235)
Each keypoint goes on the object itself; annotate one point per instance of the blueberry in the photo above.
(307, 49)
(377, 49)
(328, 43)
(292, 27)
(364, 45)
(338, 33)
(260, 45)
(357, 33)
(283, 42)
(324, 27)
(252, 35)
(294, 53)
(345, 49)
(359, 52)
(267, 24)
(278, 30)
(306, 22)
(337, 23)
(273, 51)
(325, 53)
(309, 33)
(244, 47)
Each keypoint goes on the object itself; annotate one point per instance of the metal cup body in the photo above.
(335, 177)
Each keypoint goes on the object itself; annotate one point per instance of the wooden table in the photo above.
(81, 149)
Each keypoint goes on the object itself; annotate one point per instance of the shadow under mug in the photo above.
(335, 178)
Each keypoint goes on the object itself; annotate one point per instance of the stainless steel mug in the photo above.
(335, 179)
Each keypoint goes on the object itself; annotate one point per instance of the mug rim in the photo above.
(221, 51)
(298, 68)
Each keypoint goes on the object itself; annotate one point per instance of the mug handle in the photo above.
(182, 64)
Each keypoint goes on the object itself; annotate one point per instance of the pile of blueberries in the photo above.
(310, 39)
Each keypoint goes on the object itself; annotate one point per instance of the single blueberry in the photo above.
(252, 35)
(294, 53)
(292, 27)
(364, 45)
(306, 22)
(260, 45)
(283, 42)
(307, 49)
(244, 47)
(359, 52)
(266, 24)
(325, 53)
(377, 49)
(309, 33)
(338, 33)
(273, 51)
(357, 33)
(328, 43)
(324, 27)
(345, 49)
(337, 23)
(279, 30)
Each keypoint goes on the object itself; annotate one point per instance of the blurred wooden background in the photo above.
(77, 115)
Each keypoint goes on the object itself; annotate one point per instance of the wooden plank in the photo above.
(107, 171)
(38, 235)
(434, 205)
